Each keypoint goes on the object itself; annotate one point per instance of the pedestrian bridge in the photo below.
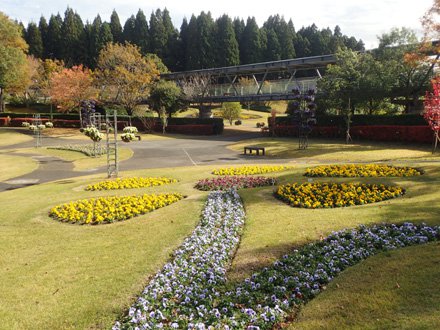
(267, 81)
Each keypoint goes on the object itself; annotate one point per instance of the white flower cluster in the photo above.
(93, 133)
(186, 289)
(128, 137)
(130, 129)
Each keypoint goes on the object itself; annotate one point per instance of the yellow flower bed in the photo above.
(370, 170)
(111, 209)
(249, 170)
(129, 183)
(327, 195)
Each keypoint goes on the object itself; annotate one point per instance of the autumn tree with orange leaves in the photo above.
(71, 86)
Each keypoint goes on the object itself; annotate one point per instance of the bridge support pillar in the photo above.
(205, 111)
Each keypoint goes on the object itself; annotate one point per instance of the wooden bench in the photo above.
(138, 137)
(256, 149)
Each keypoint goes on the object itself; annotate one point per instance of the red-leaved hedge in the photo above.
(419, 134)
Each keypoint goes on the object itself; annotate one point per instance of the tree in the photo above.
(34, 40)
(72, 32)
(410, 75)
(206, 43)
(69, 87)
(166, 96)
(12, 54)
(129, 34)
(141, 32)
(231, 111)
(43, 27)
(250, 43)
(158, 37)
(124, 76)
(115, 27)
(53, 47)
(227, 52)
(432, 110)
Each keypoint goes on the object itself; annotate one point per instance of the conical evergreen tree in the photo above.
(53, 47)
(192, 45)
(206, 44)
(181, 56)
(141, 32)
(33, 39)
(250, 43)
(227, 52)
(95, 30)
(170, 56)
(272, 50)
(115, 27)
(129, 33)
(158, 37)
(72, 32)
(43, 27)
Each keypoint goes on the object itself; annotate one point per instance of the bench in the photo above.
(256, 149)
(138, 137)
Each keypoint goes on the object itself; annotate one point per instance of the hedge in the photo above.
(361, 120)
(419, 134)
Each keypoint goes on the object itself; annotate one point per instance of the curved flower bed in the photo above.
(129, 183)
(190, 291)
(237, 182)
(111, 209)
(186, 289)
(319, 195)
(368, 170)
(86, 149)
(249, 170)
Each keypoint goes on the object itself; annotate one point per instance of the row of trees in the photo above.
(201, 42)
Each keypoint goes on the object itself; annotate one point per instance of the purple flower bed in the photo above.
(236, 182)
(191, 292)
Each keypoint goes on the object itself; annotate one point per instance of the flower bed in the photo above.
(368, 170)
(186, 289)
(86, 149)
(249, 170)
(190, 291)
(128, 183)
(237, 182)
(111, 209)
(268, 297)
(327, 195)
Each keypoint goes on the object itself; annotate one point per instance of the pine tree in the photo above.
(206, 44)
(192, 45)
(158, 37)
(227, 52)
(53, 47)
(171, 52)
(141, 32)
(238, 29)
(181, 55)
(33, 39)
(72, 32)
(250, 43)
(43, 27)
(272, 50)
(93, 46)
(129, 34)
(115, 27)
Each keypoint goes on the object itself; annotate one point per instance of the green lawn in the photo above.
(13, 166)
(62, 276)
(336, 151)
(10, 137)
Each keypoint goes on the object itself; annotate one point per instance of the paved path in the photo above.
(191, 151)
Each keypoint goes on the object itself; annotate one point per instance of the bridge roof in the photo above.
(303, 63)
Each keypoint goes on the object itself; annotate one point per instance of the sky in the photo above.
(363, 19)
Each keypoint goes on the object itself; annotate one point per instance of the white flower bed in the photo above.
(187, 288)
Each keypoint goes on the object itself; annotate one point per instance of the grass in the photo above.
(64, 276)
(80, 161)
(10, 137)
(398, 289)
(336, 151)
(8, 164)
